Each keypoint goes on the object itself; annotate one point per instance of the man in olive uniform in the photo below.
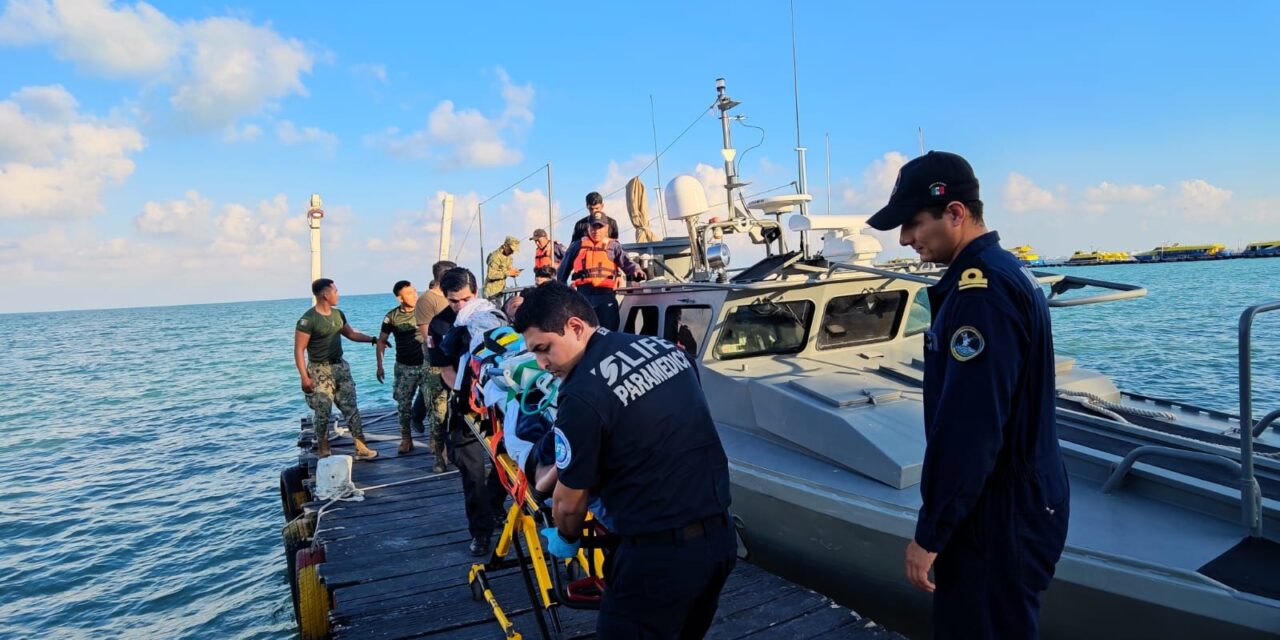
(326, 377)
(431, 302)
(500, 267)
(410, 372)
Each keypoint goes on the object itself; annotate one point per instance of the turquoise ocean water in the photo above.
(141, 448)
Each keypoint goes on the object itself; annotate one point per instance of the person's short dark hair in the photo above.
(320, 285)
(544, 272)
(457, 279)
(594, 198)
(395, 289)
(974, 206)
(439, 268)
(548, 308)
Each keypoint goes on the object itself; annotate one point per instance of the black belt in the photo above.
(699, 529)
(338, 361)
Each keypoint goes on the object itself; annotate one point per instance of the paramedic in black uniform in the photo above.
(633, 430)
(994, 516)
(481, 489)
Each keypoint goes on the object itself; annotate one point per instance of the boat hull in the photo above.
(851, 550)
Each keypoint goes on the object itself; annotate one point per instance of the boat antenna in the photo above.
(828, 137)
(724, 103)
(802, 185)
(920, 137)
(653, 124)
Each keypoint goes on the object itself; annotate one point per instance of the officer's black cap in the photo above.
(934, 178)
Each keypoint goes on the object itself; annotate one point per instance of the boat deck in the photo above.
(396, 565)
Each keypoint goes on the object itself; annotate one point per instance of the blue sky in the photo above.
(164, 153)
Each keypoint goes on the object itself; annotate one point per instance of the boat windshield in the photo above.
(765, 328)
(861, 318)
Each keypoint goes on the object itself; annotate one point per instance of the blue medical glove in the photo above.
(557, 545)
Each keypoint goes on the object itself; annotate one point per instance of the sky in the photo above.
(155, 154)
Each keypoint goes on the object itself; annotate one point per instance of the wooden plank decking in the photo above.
(396, 565)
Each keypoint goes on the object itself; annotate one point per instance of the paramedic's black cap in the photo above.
(598, 219)
(934, 178)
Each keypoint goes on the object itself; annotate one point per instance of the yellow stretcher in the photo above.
(583, 583)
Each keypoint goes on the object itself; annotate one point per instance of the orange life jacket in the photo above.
(543, 257)
(593, 266)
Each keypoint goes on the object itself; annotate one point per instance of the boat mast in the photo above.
(724, 103)
(446, 225)
(802, 186)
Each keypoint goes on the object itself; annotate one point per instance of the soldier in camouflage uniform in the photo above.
(326, 378)
(500, 267)
(411, 373)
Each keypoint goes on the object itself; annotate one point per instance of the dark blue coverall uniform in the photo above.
(634, 430)
(994, 484)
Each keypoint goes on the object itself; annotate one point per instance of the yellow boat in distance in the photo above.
(1182, 252)
(1027, 256)
(1268, 249)
(1099, 257)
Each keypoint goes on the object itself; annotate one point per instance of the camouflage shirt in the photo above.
(497, 268)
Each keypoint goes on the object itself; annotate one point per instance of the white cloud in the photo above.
(176, 217)
(54, 160)
(218, 68)
(376, 72)
(1104, 195)
(465, 138)
(237, 68)
(1199, 200)
(1022, 195)
(289, 134)
(137, 41)
(877, 183)
(247, 133)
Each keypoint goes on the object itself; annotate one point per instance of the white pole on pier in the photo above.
(446, 224)
(314, 215)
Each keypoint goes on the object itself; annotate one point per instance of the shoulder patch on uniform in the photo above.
(967, 343)
(304, 322)
(972, 278)
(564, 453)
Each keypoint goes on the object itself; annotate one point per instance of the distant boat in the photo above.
(1027, 256)
(1268, 249)
(1098, 257)
(1180, 252)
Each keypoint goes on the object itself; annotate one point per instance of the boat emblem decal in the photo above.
(966, 344)
(564, 453)
(972, 279)
(938, 189)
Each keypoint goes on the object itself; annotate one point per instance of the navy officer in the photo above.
(993, 520)
(633, 429)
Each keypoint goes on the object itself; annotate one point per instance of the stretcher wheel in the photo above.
(477, 593)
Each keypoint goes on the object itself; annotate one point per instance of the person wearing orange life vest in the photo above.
(546, 252)
(592, 264)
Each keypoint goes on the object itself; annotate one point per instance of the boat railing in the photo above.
(1252, 506)
(1058, 284)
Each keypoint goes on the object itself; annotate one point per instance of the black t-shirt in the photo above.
(400, 323)
(437, 329)
(633, 428)
(581, 227)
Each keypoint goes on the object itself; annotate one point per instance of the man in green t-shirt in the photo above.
(326, 378)
(410, 374)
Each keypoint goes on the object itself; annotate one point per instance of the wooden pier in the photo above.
(395, 564)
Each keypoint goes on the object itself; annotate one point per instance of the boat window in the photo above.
(919, 317)
(861, 318)
(687, 326)
(642, 321)
(765, 328)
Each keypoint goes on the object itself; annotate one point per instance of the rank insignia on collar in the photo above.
(972, 279)
(967, 343)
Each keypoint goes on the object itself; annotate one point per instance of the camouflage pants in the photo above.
(332, 384)
(409, 378)
(435, 397)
